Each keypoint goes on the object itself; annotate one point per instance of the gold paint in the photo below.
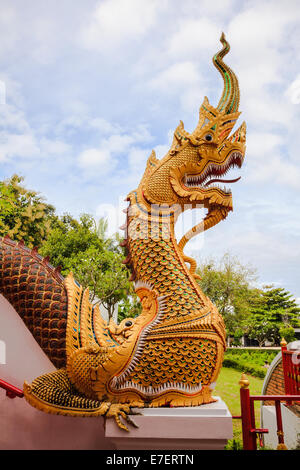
(171, 353)
(244, 382)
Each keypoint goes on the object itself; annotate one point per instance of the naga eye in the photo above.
(128, 323)
(208, 137)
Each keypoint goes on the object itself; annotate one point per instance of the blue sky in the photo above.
(89, 88)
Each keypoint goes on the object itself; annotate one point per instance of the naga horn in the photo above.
(229, 101)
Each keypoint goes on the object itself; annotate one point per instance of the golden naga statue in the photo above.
(171, 354)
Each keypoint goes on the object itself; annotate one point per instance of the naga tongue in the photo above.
(222, 181)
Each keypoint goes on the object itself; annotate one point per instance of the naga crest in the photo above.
(194, 167)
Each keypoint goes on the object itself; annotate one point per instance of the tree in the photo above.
(68, 238)
(281, 306)
(287, 332)
(274, 313)
(105, 275)
(228, 284)
(130, 306)
(7, 201)
(101, 228)
(23, 213)
(112, 243)
(262, 331)
(94, 259)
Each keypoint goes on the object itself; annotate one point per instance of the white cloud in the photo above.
(113, 147)
(102, 125)
(161, 150)
(176, 77)
(95, 158)
(268, 248)
(18, 145)
(54, 147)
(117, 143)
(137, 157)
(28, 146)
(276, 171)
(193, 36)
(114, 21)
(293, 91)
(9, 34)
(182, 79)
(18, 138)
(262, 145)
(258, 35)
(260, 26)
(79, 121)
(13, 119)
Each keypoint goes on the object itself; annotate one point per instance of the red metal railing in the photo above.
(11, 390)
(291, 370)
(249, 430)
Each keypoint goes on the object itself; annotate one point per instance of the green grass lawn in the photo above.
(228, 389)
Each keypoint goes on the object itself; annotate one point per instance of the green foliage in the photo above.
(263, 331)
(275, 305)
(252, 362)
(228, 284)
(274, 313)
(287, 332)
(264, 314)
(23, 214)
(101, 228)
(68, 238)
(234, 444)
(129, 307)
(104, 274)
(95, 260)
(254, 356)
(248, 369)
(237, 335)
(7, 201)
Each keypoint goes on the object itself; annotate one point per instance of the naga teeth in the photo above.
(151, 391)
(215, 171)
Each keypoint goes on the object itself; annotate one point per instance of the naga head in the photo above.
(194, 167)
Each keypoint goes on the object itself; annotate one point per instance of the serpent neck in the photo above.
(154, 257)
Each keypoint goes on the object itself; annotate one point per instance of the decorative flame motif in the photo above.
(230, 99)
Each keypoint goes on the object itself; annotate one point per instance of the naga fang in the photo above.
(171, 354)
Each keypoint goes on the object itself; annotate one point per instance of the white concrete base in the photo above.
(199, 427)
(291, 427)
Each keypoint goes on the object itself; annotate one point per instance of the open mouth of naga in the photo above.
(213, 172)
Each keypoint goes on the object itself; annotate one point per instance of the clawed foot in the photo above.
(119, 410)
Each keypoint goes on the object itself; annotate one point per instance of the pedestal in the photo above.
(199, 427)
